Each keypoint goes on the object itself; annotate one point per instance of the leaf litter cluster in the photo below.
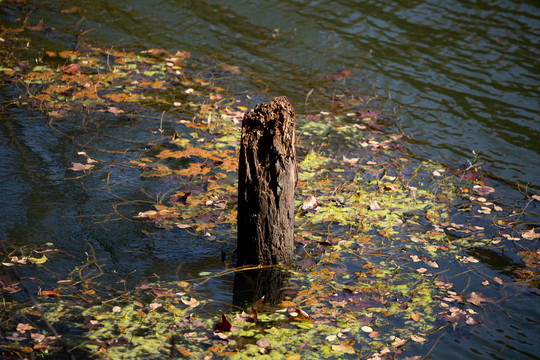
(377, 229)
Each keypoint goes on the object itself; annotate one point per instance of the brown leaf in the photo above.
(373, 206)
(339, 75)
(233, 69)
(483, 190)
(391, 187)
(418, 338)
(399, 342)
(350, 161)
(476, 298)
(81, 167)
(347, 347)
(192, 302)
(113, 110)
(530, 234)
(309, 203)
(258, 305)
(22, 328)
(158, 53)
(264, 342)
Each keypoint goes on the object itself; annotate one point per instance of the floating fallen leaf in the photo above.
(154, 306)
(468, 259)
(224, 324)
(415, 317)
(16, 337)
(530, 234)
(116, 309)
(431, 263)
(367, 329)
(309, 203)
(483, 190)
(299, 315)
(233, 69)
(40, 260)
(16, 260)
(373, 206)
(293, 357)
(346, 347)
(22, 328)
(264, 342)
(498, 280)
(192, 302)
(485, 282)
(391, 187)
(71, 69)
(418, 338)
(50, 293)
(81, 167)
(475, 298)
(339, 75)
(350, 161)
(38, 337)
(161, 293)
(113, 110)
(398, 342)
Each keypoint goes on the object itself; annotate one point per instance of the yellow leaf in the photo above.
(38, 260)
(346, 347)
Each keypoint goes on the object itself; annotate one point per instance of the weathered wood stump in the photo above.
(266, 183)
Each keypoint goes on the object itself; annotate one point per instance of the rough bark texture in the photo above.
(266, 182)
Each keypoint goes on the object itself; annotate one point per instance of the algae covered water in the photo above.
(459, 81)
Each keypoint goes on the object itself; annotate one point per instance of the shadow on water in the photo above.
(464, 73)
(252, 285)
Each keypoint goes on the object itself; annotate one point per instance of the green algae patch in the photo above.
(378, 229)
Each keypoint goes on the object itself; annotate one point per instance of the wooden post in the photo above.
(266, 183)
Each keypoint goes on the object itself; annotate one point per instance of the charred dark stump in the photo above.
(266, 182)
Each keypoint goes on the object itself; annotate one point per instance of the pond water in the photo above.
(463, 77)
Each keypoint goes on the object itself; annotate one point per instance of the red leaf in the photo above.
(161, 293)
(224, 324)
(71, 69)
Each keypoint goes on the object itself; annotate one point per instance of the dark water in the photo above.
(465, 76)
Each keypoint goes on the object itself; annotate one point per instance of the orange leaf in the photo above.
(50, 293)
(415, 317)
